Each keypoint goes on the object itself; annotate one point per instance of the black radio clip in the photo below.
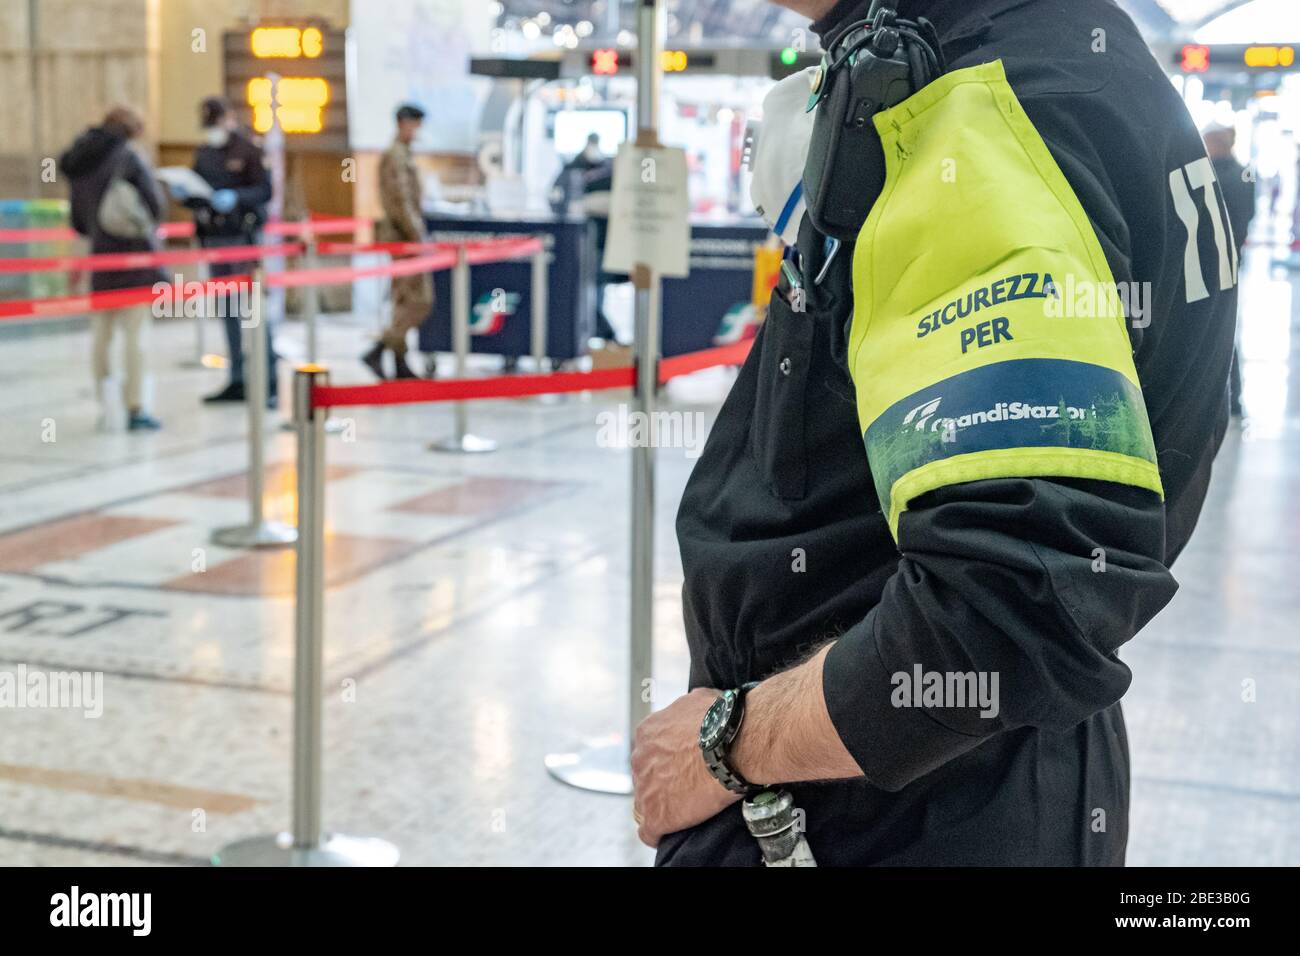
(874, 64)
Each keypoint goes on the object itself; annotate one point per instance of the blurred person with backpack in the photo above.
(116, 204)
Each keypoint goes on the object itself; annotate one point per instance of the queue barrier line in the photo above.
(324, 226)
(119, 261)
(418, 391)
(167, 230)
(82, 303)
(525, 245)
(65, 305)
(337, 275)
(307, 843)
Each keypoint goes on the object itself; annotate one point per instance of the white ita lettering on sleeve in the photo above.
(1200, 175)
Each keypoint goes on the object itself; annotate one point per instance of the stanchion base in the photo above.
(466, 445)
(268, 534)
(334, 850)
(602, 766)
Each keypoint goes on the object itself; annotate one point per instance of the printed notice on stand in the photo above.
(649, 212)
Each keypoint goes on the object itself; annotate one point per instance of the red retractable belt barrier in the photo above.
(103, 301)
(391, 248)
(520, 386)
(499, 250)
(478, 253)
(443, 257)
(168, 230)
(679, 365)
(340, 274)
(332, 225)
(324, 226)
(117, 261)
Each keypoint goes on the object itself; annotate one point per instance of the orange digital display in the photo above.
(298, 103)
(286, 43)
(674, 61)
(1269, 57)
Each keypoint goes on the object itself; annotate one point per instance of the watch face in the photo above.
(715, 723)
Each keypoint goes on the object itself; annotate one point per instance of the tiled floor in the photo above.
(476, 618)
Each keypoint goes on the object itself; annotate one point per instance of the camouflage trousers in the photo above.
(412, 303)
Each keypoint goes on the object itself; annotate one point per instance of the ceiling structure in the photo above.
(759, 21)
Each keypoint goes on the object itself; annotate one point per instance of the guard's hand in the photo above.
(224, 200)
(672, 788)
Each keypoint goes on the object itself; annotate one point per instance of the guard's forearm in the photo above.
(787, 735)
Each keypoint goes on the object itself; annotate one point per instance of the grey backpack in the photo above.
(122, 213)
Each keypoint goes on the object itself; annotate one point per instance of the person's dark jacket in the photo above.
(237, 165)
(1038, 579)
(90, 165)
(1238, 195)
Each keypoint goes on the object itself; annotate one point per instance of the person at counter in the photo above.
(399, 195)
(934, 507)
(591, 173)
(1238, 185)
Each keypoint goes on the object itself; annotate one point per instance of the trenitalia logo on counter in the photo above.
(491, 311)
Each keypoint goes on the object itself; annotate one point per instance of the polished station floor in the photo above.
(476, 619)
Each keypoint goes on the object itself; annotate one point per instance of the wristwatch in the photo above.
(718, 731)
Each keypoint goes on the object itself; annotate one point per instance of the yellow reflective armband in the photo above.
(988, 338)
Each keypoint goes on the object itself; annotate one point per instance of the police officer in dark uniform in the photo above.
(945, 489)
(233, 165)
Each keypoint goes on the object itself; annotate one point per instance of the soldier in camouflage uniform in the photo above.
(399, 193)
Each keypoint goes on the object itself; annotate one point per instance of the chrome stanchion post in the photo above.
(461, 440)
(311, 297)
(306, 845)
(604, 765)
(643, 496)
(258, 533)
(540, 301)
(311, 314)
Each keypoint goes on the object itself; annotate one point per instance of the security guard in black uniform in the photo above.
(233, 164)
(1036, 457)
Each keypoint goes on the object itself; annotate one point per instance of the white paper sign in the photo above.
(649, 211)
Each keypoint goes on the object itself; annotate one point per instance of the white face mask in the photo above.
(216, 136)
(780, 151)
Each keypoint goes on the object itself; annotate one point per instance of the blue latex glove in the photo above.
(224, 200)
(179, 192)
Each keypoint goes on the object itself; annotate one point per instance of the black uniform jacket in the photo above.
(784, 545)
(237, 165)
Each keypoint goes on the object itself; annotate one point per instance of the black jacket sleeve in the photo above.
(1036, 581)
